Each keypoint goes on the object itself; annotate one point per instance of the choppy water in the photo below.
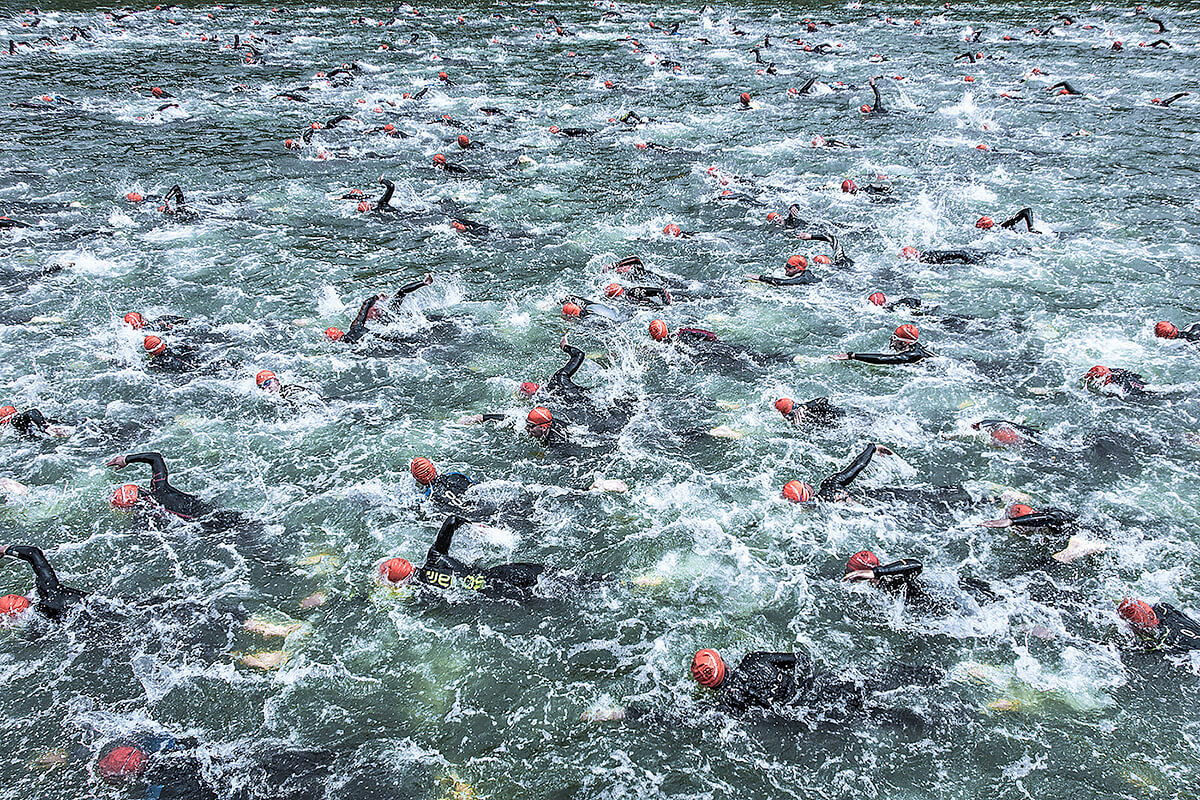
(407, 692)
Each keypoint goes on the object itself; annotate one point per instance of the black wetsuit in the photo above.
(505, 580)
(1176, 632)
(1054, 518)
(53, 598)
(183, 359)
(838, 484)
(701, 343)
(951, 256)
(448, 489)
(878, 108)
(1129, 382)
(802, 278)
(358, 327)
(31, 423)
(647, 296)
(1024, 215)
(916, 353)
(840, 259)
(590, 308)
(164, 323)
(898, 576)
(179, 503)
(1191, 333)
(561, 383)
(818, 412)
(632, 265)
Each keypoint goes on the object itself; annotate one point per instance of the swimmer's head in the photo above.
(13, 604)
(571, 310)
(1098, 376)
(528, 389)
(614, 290)
(1137, 613)
(334, 334)
(439, 160)
(1166, 330)
(154, 345)
(538, 423)
(267, 381)
(125, 496)
(822, 260)
(784, 405)
(672, 230)
(849, 187)
(708, 669)
(395, 571)
(905, 338)
(423, 470)
(745, 98)
(6, 414)
(463, 141)
(909, 253)
(877, 298)
(984, 222)
(864, 108)
(795, 265)
(863, 559)
(797, 492)
(121, 763)
(135, 320)
(1005, 435)
(1018, 510)
(658, 330)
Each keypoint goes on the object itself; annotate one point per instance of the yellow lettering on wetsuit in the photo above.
(445, 580)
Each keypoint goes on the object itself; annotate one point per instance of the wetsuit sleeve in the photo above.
(648, 292)
(1051, 518)
(1191, 332)
(840, 480)
(698, 333)
(1180, 632)
(906, 569)
(909, 302)
(780, 659)
(799, 280)
(359, 326)
(47, 581)
(410, 288)
(878, 99)
(564, 375)
(910, 357)
(451, 524)
(493, 417)
(1025, 214)
(158, 467)
(27, 421)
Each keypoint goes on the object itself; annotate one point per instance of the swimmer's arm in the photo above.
(906, 569)
(412, 287)
(359, 326)
(880, 358)
(840, 480)
(451, 524)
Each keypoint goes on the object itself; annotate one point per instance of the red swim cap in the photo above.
(864, 108)
(797, 261)
(334, 334)
(614, 290)
(6, 414)
(263, 376)
(154, 345)
(969, 79)
(672, 230)
(443, 76)
(608, 84)
(463, 141)
(395, 570)
(134, 197)
(772, 216)
(1005, 435)
(389, 127)
(1137, 613)
(877, 299)
(910, 253)
(125, 496)
(984, 222)
(863, 559)
(849, 186)
(529, 389)
(571, 310)
(797, 492)
(439, 159)
(554, 129)
(1165, 330)
(908, 333)
(1018, 510)
(539, 417)
(658, 330)
(364, 207)
(121, 763)
(1098, 375)
(423, 470)
(135, 320)
(708, 669)
(13, 604)
(822, 260)
(745, 98)
(784, 405)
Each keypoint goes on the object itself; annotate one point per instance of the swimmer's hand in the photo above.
(840, 357)
(860, 575)
(996, 523)
(116, 462)
(471, 419)
(880, 450)
(750, 277)
(428, 279)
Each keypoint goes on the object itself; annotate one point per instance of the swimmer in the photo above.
(795, 273)
(506, 581)
(53, 598)
(445, 489)
(32, 425)
(160, 358)
(1167, 330)
(1161, 627)
(440, 162)
(633, 266)
(1169, 100)
(367, 311)
(815, 412)
(906, 349)
(135, 320)
(897, 576)
(1019, 515)
(959, 256)
(840, 259)
(876, 110)
(703, 344)
(1120, 382)
(269, 382)
(183, 505)
(639, 295)
(578, 307)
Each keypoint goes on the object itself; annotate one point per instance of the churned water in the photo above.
(390, 693)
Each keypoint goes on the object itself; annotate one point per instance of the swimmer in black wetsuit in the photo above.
(904, 342)
(358, 327)
(632, 265)
(1162, 628)
(443, 488)
(1024, 215)
(835, 488)
(177, 359)
(1022, 516)
(180, 209)
(53, 598)
(840, 259)
(440, 162)
(900, 577)
(640, 295)
(1065, 88)
(31, 424)
(1167, 330)
(561, 383)
(574, 306)
(135, 320)
(959, 256)
(702, 344)
(1164, 103)
(181, 504)
(1122, 382)
(876, 110)
(505, 581)
(269, 382)
(815, 412)
(795, 274)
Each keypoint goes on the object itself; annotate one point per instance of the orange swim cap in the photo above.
(13, 604)
(745, 98)
(1098, 376)
(784, 405)
(1137, 613)
(395, 570)
(877, 299)
(910, 253)
(364, 207)
(708, 669)
(614, 290)
(797, 261)
(864, 108)
(423, 470)
(797, 492)
(672, 230)
(863, 559)
(458, 226)
(1165, 330)
(134, 197)
(135, 320)
(6, 414)
(263, 376)
(1006, 435)
(658, 330)
(539, 417)
(1018, 510)
(125, 496)
(984, 222)
(529, 389)
(121, 763)
(571, 310)
(439, 159)
(849, 187)
(443, 76)
(463, 141)
(908, 333)
(334, 334)
(822, 260)
(608, 84)
(154, 345)
(772, 216)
